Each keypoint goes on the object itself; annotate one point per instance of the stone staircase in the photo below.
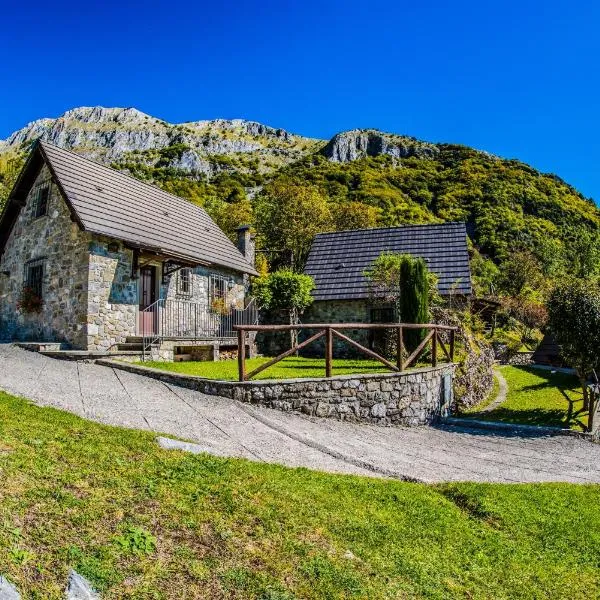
(130, 349)
(131, 344)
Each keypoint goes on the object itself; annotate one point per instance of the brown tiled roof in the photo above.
(111, 203)
(338, 260)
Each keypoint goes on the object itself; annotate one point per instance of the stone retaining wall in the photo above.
(417, 397)
(521, 359)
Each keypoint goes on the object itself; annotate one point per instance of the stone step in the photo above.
(88, 355)
(39, 346)
(130, 346)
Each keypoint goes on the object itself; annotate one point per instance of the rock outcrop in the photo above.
(359, 143)
(115, 135)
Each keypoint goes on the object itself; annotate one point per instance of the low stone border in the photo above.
(417, 397)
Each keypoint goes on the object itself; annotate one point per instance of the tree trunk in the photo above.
(592, 402)
(586, 396)
(293, 332)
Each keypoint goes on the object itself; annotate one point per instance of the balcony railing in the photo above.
(190, 321)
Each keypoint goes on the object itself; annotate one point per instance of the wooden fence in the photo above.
(331, 330)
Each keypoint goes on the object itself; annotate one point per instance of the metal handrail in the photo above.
(190, 320)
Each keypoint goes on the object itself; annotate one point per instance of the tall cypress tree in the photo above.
(414, 298)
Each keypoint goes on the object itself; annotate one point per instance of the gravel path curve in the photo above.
(227, 428)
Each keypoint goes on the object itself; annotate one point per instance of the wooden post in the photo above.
(434, 348)
(242, 354)
(400, 349)
(328, 351)
(452, 345)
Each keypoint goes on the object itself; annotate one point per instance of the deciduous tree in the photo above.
(574, 319)
(288, 216)
(287, 291)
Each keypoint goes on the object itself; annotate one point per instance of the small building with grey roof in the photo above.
(94, 259)
(338, 260)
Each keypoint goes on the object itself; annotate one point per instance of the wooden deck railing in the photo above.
(331, 330)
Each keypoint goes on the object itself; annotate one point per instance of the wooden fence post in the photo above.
(328, 351)
(434, 346)
(452, 345)
(242, 354)
(400, 349)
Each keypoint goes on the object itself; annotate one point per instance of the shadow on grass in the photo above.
(549, 418)
(571, 417)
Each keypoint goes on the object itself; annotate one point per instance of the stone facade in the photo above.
(343, 311)
(417, 397)
(90, 298)
(62, 248)
(112, 306)
(113, 294)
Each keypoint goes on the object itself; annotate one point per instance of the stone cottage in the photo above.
(94, 259)
(338, 260)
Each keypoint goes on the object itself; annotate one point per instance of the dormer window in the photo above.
(42, 195)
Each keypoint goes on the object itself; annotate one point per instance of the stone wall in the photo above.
(417, 397)
(62, 245)
(521, 359)
(199, 287)
(342, 311)
(112, 296)
(114, 300)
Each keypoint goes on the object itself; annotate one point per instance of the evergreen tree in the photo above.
(414, 298)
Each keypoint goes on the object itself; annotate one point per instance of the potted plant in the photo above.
(219, 306)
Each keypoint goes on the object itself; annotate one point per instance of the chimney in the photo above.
(245, 243)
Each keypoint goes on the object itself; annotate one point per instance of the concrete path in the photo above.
(502, 392)
(227, 428)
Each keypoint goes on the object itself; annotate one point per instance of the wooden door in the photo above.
(148, 319)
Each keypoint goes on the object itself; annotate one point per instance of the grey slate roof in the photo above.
(338, 260)
(111, 203)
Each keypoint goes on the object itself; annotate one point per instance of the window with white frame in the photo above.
(184, 281)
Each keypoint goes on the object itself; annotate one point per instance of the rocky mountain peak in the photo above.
(359, 143)
(122, 135)
(99, 114)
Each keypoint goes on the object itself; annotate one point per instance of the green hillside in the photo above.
(508, 205)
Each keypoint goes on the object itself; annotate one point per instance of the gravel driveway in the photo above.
(228, 428)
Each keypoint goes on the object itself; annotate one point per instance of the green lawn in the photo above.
(288, 368)
(146, 523)
(538, 397)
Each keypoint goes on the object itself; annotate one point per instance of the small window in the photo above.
(184, 281)
(217, 293)
(41, 201)
(34, 276)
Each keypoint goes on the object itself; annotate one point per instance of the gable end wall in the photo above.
(60, 241)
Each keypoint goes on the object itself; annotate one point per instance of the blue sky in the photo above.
(519, 79)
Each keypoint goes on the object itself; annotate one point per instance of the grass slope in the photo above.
(146, 523)
(288, 368)
(538, 397)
